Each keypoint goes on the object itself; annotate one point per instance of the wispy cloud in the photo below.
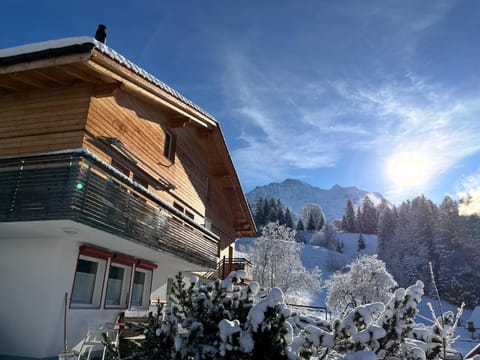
(295, 117)
(285, 130)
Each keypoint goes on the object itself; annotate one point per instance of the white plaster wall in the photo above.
(35, 274)
(34, 278)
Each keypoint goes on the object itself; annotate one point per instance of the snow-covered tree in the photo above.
(312, 217)
(366, 280)
(300, 226)
(276, 261)
(222, 320)
(271, 210)
(385, 228)
(331, 237)
(368, 217)
(361, 243)
(289, 219)
(348, 222)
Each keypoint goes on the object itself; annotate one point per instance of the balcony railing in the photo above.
(225, 266)
(81, 187)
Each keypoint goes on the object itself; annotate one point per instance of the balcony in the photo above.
(78, 186)
(227, 265)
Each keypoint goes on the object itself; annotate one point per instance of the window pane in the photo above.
(84, 286)
(168, 144)
(114, 286)
(137, 290)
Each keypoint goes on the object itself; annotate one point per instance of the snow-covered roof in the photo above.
(49, 46)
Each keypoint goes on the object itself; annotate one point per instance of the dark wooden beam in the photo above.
(178, 121)
(104, 90)
(79, 74)
(24, 78)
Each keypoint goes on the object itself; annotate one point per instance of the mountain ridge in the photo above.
(295, 194)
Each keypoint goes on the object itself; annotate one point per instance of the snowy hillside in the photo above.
(295, 194)
(330, 261)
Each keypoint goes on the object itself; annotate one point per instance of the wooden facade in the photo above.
(84, 96)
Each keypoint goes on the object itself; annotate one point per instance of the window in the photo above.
(142, 280)
(118, 285)
(87, 286)
(128, 283)
(169, 147)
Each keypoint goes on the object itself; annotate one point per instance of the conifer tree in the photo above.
(358, 221)
(311, 226)
(289, 219)
(300, 226)
(361, 243)
(349, 225)
(385, 230)
(368, 217)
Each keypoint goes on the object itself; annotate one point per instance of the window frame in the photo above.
(100, 257)
(169, 146)
(105, 259)
(125, 263)
(146, 288)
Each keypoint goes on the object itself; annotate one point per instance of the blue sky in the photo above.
(383, 95)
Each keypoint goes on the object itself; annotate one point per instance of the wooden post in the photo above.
(66, 355)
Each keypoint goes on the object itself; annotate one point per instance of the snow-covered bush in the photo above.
(223, 320)
(365, 280)
(277, 263)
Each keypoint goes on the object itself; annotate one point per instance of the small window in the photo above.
(87, 286)
(142, 280)
(169, 147)
(118, 286)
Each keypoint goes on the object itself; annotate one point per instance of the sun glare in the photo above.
(408, 169)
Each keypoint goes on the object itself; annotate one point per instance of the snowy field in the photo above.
(330, 261)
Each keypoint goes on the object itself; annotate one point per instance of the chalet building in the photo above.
(111, 182)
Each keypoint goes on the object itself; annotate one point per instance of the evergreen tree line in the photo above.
(365, 220)
(418, 232)
(271, 210)
(268, 210)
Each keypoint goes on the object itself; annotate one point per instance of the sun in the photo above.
(408, 169)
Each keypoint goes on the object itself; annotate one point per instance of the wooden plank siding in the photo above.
(141, 127)
(125, 118)
(37, 121)
(80, 100)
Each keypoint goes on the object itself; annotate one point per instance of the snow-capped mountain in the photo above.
(295, 194)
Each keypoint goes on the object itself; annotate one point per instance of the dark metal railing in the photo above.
(81, 187)
(226, 266)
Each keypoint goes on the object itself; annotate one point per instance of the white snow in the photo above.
(256, 314)
(46, 45)
(361, 355)
(318, 256)
(228, 328)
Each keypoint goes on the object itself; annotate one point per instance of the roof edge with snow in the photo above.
(81, 44)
